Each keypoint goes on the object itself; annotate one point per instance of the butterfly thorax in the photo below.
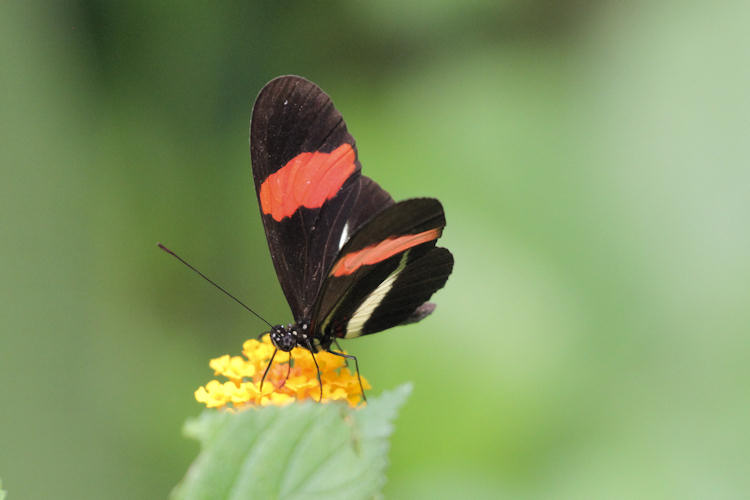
(286, 338)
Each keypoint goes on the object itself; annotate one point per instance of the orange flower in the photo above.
(292, 376)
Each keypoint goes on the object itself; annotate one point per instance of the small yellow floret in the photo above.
(292, 376)
(232, 367)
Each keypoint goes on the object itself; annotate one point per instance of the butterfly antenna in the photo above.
(170, 252)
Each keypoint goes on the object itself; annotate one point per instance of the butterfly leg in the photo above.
(288, 368)
(268, 367)
(338, 346)
(356, 365)
(320, 382)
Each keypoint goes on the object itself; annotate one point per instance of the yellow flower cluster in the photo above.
(293, 376)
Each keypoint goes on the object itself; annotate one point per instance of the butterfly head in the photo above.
(284, 338)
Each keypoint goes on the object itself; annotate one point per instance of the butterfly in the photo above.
(350, 260)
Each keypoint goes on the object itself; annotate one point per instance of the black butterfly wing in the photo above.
(386, 272)
(307, 179)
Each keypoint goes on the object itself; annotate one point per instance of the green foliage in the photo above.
(2, 491)
(298, 451)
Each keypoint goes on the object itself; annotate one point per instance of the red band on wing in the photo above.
(373, 254)
(307, 180)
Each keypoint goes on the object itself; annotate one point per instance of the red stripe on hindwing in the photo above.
(389, 247)
(307, 180)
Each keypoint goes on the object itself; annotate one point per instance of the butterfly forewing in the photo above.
(307, 179)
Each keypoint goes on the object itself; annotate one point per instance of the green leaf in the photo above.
(300, 451)
(2, 491)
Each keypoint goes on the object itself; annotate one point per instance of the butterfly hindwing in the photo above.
(308, 183)
(386, 272)
(403, 301)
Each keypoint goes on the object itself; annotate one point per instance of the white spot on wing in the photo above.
(368, 306)
(344, 236)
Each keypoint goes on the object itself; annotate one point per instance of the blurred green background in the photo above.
(593, 160)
